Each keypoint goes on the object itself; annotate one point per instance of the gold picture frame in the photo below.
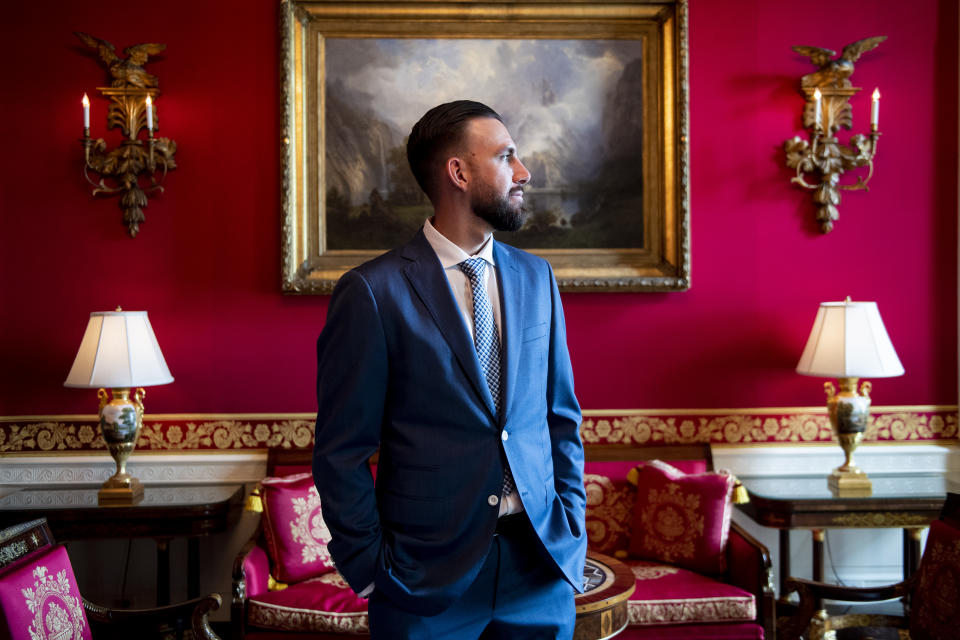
(316, 32)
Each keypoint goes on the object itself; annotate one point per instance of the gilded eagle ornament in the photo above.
(832, 72)
(129, 71)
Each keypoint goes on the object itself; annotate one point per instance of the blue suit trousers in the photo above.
(518, 595)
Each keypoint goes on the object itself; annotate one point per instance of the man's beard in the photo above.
(498, 211)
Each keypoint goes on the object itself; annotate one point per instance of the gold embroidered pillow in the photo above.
(296, 534)
(682, 519)
(609, 505)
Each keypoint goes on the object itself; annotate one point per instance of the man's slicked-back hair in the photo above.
(439, 131)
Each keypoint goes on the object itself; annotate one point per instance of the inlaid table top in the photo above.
(602, 607)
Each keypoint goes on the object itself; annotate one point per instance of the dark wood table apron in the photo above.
(163, 514)
(602, 607)
(905, 501)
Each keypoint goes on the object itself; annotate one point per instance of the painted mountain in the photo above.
(572, 106)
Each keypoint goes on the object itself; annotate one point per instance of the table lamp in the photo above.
(119, 351)
(848, 342)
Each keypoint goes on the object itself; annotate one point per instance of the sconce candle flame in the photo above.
(149, 115)
(817, 109)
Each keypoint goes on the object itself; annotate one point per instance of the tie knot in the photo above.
(473, 267)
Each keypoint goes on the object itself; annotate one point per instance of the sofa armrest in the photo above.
(251, 575)
(749, 567)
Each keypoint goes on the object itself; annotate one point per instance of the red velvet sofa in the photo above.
(668, 602)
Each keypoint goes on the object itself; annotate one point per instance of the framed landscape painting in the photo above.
(595, 96)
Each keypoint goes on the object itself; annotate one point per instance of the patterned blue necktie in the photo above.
(486, 339)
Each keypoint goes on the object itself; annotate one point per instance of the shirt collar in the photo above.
(451, 255)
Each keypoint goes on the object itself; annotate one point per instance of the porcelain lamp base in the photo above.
(121, 419)
(849, 416)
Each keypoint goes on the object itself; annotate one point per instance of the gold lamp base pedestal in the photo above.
(850, 484)
(120, 491)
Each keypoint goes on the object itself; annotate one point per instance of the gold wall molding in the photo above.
(928, 424)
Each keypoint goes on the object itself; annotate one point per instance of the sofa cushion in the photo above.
(682, 519)
(296, 534)
(667, 594)
(322, 604)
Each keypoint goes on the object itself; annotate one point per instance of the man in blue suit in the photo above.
(449, 356)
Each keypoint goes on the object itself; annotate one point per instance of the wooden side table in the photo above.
(905, 501)
(602, 607)
(163, 514)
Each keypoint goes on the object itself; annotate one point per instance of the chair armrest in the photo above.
(811, 592)
(749, 567)
(140, 622)
(251, 572)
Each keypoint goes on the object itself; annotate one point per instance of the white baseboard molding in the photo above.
(156, 469)
(250, 466)
(820, 460)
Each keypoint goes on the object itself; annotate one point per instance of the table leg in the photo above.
(784, 561)
(911, 550)
(163, 571)
(818, 538)
(193, 568)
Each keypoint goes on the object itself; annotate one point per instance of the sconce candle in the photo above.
(875, 111)
(817, 109)
(86, 112)
(149, 115)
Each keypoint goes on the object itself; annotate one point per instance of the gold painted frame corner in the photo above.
(662, 264)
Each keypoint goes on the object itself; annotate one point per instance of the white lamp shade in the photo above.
(849, 340)
(118, 350)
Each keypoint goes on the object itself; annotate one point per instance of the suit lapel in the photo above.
(511, 302)
(430, 282)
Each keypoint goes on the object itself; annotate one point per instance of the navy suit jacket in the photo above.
(398, 372)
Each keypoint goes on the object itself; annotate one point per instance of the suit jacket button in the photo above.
(504, 436)
(492, 500)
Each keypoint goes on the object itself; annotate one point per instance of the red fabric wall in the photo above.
(206, 264)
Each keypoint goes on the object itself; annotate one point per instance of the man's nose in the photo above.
(520, 174)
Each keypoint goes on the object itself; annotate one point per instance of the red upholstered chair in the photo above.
(734, 601)
(39, 597)
(284, 585)
(932, 594)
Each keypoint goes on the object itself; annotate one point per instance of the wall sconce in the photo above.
(132, 94)
(828, 91)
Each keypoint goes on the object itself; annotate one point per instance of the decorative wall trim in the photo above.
(244, 432)
(764, 426)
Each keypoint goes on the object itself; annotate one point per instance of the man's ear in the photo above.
(456, 173)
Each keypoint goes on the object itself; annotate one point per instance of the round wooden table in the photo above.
(602, 607)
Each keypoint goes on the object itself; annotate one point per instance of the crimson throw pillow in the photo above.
(682, 519)
(296, 534)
